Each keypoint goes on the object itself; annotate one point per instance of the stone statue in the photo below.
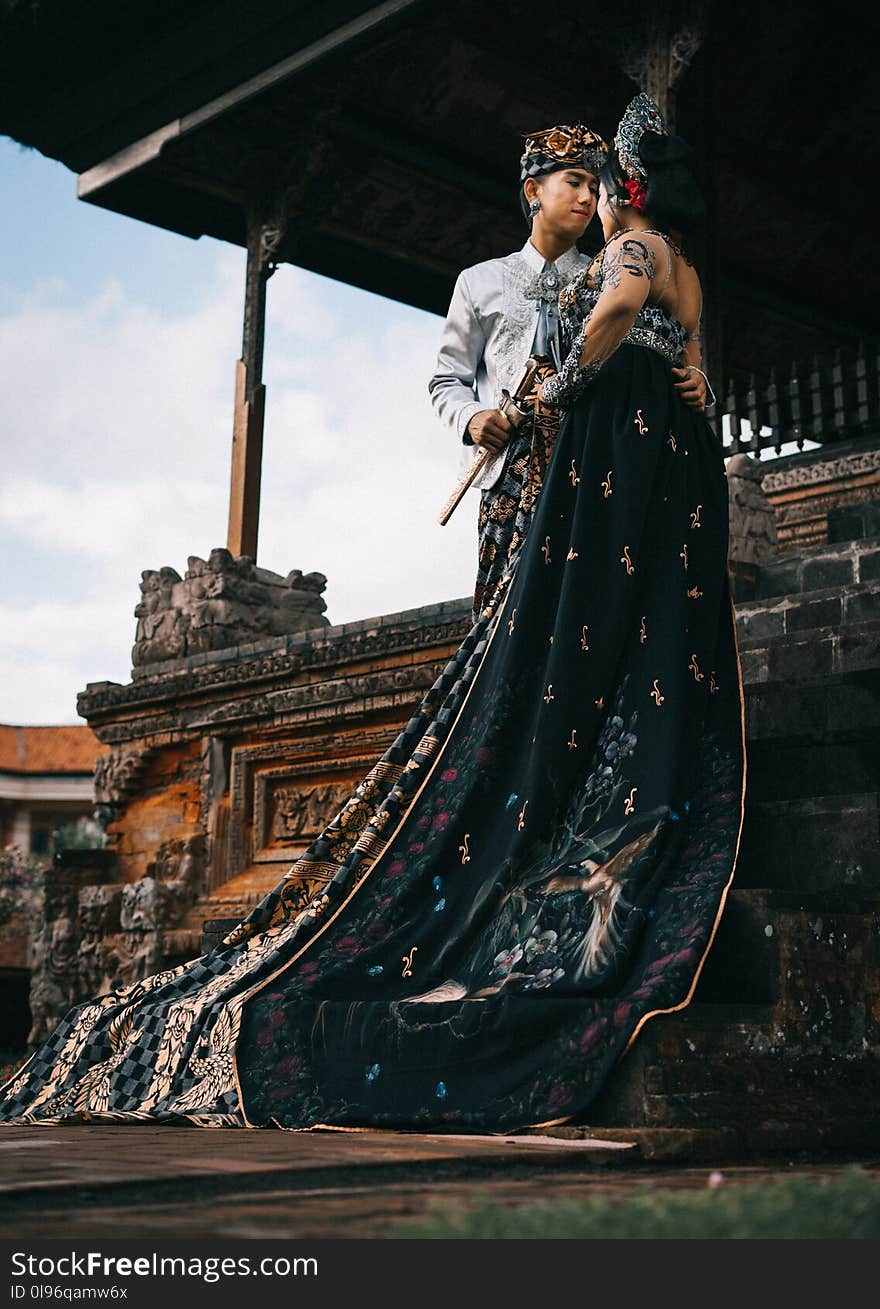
(221, 601)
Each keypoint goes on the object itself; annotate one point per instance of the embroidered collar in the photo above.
(565, 265)
(546, 283)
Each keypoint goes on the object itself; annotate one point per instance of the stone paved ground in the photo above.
(84, 1181)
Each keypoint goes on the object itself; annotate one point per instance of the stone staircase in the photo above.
(779, 1049)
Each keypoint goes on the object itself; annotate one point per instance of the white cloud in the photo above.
(115, 422)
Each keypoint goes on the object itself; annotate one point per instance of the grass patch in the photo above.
(845, 1207)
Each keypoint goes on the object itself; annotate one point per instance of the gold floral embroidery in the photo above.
(683, 556)
(463, 849)
(625, 559)
(573, 474)
(640, 423)
(606, 484)
(628, 806)
(695, 517)
(521, 820)
(713, 685)
(17, 1086)
(549, 694)
(407, 961)
(545, 550)
(643, 633)
(656, 693)
(694, 592)
(584, 642)
(572, 741)
(511, 623)
(600, 702)
(572, 554)
(695, 669)
(670, 440)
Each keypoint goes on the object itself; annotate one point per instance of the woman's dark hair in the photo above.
(673, 199)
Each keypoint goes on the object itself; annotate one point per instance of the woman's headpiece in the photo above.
(640, 116)
(566, 146)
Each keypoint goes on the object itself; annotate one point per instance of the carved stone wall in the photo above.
(753, 538)
(805, 488)
(221, 602)
(222, 768)
(96, 932)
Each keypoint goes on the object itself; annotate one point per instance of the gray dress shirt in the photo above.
(501, 311)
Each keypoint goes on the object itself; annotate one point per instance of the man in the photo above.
(503, 310)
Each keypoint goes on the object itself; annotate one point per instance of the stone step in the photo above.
(834, 564)
(815, 844)
(815, 956)
(762, 622)
(821, 652)
(815, 737)
(712, 1067)
(802, 770)
(808, 1093)
(845, 1134)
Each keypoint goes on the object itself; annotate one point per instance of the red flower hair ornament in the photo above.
(637, 194)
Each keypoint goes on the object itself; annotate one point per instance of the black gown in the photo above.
(534, 869)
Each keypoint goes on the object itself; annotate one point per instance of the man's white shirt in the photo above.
(488, 335)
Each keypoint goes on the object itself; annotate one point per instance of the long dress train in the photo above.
(533, 870)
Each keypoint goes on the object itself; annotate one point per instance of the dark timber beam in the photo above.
(148, 149)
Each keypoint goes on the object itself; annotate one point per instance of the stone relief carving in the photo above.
(221, 601)
(828, 470)
(299, 814)
(753, 538)
(101, 696)
(97, 934)
(116, 774)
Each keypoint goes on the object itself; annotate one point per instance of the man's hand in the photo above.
(489, 428)
(691, 386)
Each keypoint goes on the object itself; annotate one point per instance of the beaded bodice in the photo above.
(654, 326)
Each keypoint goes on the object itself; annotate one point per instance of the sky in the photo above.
(118, 344)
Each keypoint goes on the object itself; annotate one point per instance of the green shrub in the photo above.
(845, 1207)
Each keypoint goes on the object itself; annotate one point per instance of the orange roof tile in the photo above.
(48, 749)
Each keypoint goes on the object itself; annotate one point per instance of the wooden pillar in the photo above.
(656, 46)
(250, 393)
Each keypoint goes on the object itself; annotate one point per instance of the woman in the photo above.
(538, 865)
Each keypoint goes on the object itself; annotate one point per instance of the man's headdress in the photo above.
(566, 146)
(640, 116)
